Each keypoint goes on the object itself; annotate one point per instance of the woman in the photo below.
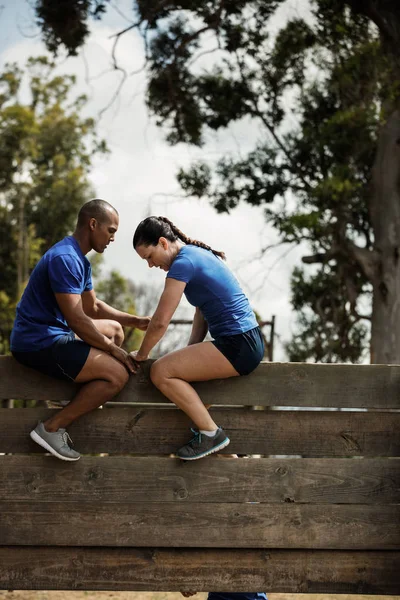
(196, 270)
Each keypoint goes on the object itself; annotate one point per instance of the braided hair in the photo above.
(149, 231)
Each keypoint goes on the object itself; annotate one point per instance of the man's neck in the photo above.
(82, 240)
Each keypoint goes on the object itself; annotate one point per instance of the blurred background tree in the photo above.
(45, 157)
(324, 93)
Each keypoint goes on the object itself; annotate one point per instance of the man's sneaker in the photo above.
(55, 442)
(202, 445)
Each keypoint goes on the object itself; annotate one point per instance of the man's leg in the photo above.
(104, 377)
(111, 329)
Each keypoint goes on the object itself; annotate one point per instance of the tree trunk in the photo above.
(385, 220)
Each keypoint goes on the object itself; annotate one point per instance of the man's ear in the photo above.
(92, 224)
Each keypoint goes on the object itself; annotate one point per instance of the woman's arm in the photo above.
(199, 328)
(167, 305)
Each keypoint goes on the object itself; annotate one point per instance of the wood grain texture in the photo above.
(271, 384)
(124, 480)
(285, 571)
(224, 525)
(145, 430)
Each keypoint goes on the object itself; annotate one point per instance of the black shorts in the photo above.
(244, 351)
(64, 359)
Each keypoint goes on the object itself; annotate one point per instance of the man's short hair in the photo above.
(95, 209)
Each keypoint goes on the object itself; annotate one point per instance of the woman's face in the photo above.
(160, 256)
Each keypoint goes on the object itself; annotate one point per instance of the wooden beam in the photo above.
(146, 430)
(152, 569)
(271, 384)
(221, 525)
(129, 480)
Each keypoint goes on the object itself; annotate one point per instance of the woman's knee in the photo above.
(158, 373)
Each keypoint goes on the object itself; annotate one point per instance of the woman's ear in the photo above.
(163, 243)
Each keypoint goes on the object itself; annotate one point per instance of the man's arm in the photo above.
(199, 328)
(97, 309)
(167, 305)
(72, 308)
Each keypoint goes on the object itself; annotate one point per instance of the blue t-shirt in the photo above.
(39, 322)
(213, 288)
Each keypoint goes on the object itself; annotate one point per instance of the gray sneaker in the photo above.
(55, 442)
(202, 445)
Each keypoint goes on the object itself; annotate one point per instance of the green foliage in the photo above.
(329, 330)
(65, 21)
(319, 91)
(45, 158)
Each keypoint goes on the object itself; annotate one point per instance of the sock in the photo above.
(208, 433)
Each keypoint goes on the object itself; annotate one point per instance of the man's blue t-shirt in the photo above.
(213, 288)
(39, 322)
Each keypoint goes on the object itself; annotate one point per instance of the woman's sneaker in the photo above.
(55, 442)
(203, 445)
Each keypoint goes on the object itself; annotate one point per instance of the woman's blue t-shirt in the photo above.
(39, 321)
(213, 288)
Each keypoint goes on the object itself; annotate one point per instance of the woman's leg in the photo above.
(199, 362)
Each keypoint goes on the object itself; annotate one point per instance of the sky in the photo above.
(139, 175)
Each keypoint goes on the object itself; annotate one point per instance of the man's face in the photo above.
(102, 233)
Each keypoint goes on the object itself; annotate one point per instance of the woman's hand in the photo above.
(137, 357)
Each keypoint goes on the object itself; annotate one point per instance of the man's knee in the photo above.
(118, 335)
(119, 378)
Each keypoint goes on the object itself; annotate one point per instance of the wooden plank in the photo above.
(152, 569)
(144, 430)
(172, 524)
(271, 384)
(127, 480)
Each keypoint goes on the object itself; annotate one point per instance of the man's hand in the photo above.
(123, 357)
(135, 356)
(141, 323)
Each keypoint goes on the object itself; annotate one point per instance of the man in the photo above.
(63, 330)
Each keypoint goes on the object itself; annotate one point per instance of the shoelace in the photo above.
(66, 438)
(196, 438)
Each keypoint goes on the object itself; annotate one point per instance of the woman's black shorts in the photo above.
(244, 351)
(64, 359)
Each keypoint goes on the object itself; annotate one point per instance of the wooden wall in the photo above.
(318, 512)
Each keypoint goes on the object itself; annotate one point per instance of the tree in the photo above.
(332, 180)
(45, 157)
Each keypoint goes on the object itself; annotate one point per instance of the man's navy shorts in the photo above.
(244, 351)
(64, 359)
